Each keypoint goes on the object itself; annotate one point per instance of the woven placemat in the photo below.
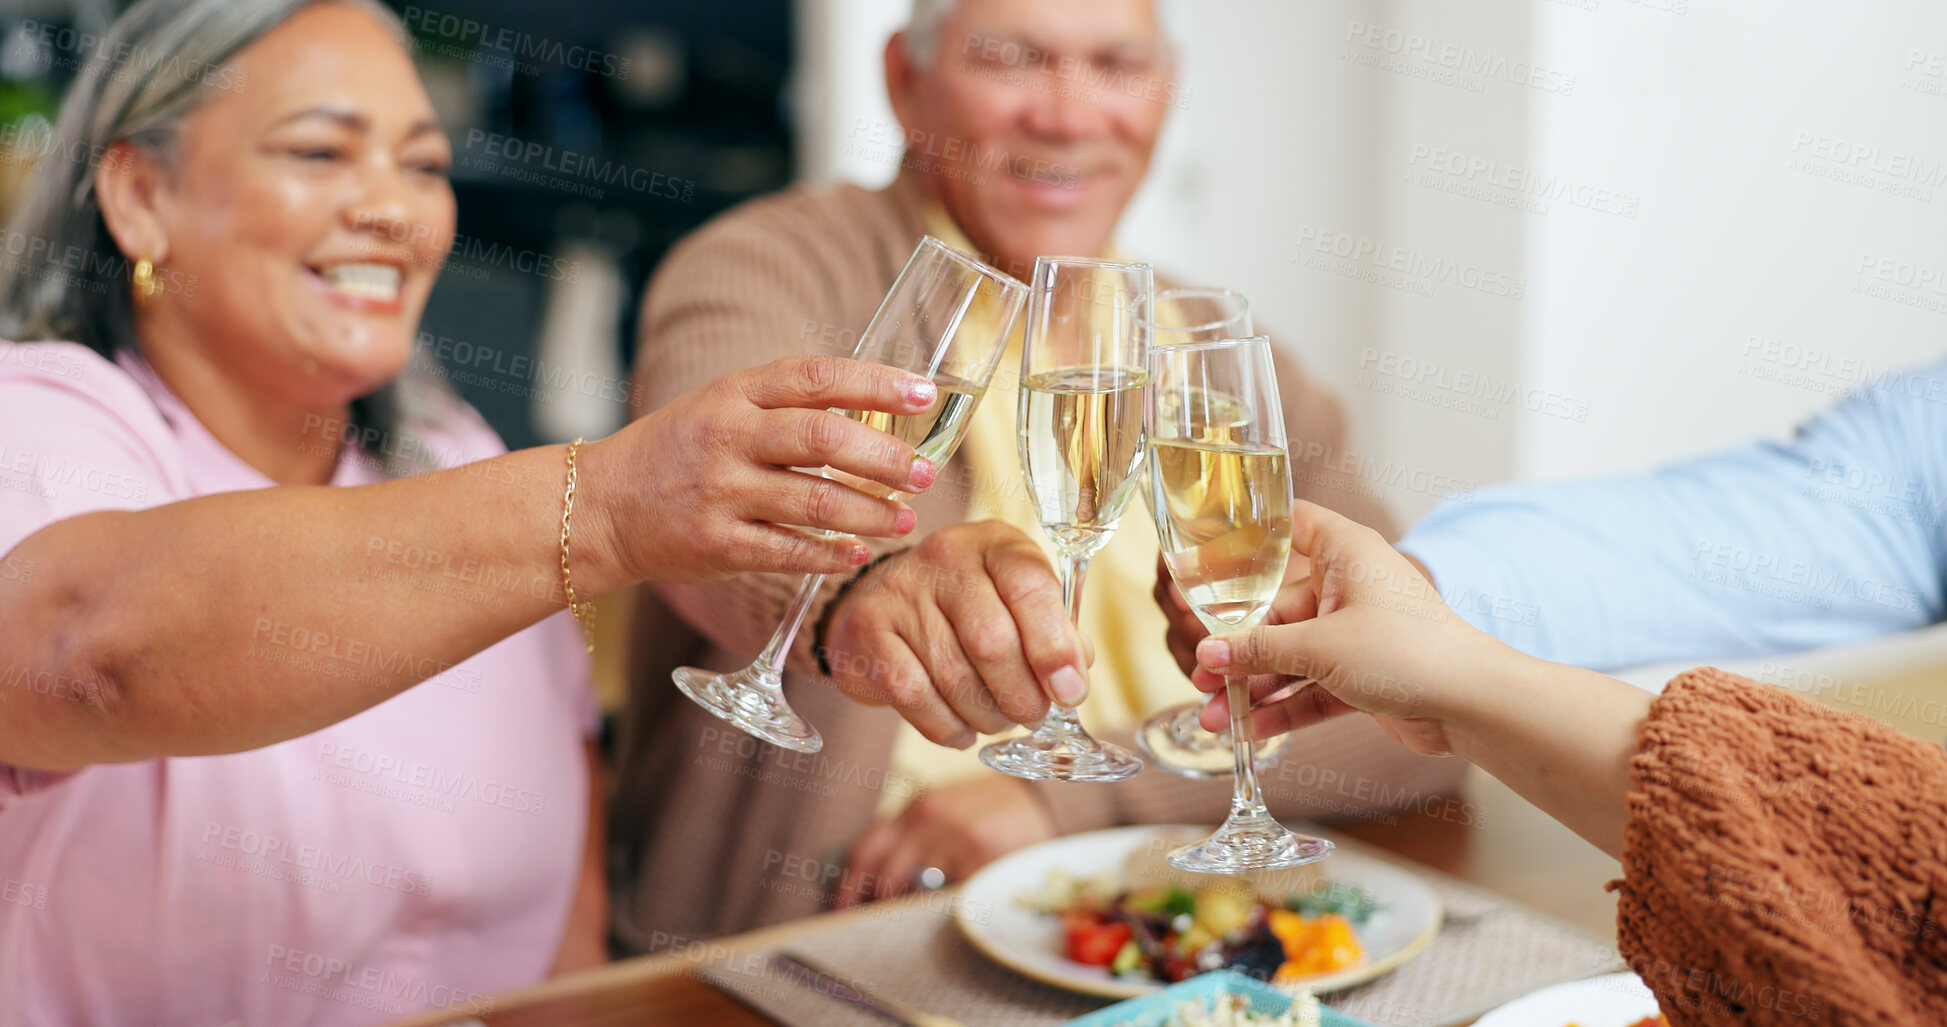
(1488, 951)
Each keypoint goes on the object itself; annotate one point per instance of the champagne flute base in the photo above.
(753, 701)
(1249, 842)
(1176, 742)
(1061, 757)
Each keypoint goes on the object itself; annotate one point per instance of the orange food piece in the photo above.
(1314, 945)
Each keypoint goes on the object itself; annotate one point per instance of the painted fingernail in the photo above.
(919, 390)
(1213, 653)
(923, 472)
(1069, 687)
(907, 521)
(859, 556)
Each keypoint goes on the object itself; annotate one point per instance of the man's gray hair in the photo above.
(923, 30)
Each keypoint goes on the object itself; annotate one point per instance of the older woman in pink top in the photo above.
(287, 736)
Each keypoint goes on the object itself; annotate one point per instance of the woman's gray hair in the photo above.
(156, 64)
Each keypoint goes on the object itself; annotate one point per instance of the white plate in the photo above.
(1613, 1000)
(1031, 943)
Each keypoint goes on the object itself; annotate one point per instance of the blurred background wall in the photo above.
(1534, 240)
(1523, 240)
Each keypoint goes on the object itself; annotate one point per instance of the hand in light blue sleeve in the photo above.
(1835, 536)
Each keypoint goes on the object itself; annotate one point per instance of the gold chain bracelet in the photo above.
(584, 611)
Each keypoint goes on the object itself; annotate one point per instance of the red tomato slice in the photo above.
(1093, 942)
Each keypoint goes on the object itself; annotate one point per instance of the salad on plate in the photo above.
(1153, 921)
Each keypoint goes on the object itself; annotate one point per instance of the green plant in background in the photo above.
(22, 99)
(26, 114)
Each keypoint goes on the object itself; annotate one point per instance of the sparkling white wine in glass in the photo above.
(1223, 516)
(1080, 424)
(1081, 448)
(1224, 513)
(934, 433)
(948, 317)
(1221, 496)
(1173, 737)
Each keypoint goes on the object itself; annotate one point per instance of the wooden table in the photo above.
(1514, 850)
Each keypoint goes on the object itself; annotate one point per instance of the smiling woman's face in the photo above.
(308, 211)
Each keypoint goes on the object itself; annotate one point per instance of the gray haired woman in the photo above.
(287, 738)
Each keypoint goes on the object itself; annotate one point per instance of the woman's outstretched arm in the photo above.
(1780, 859)
(227, 622)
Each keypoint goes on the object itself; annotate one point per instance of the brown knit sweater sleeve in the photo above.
(763, 282)
(1783, 863)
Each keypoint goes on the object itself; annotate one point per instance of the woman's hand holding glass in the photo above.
(1389, 636)
(948, 316)
(704, 487)
(1366, 632)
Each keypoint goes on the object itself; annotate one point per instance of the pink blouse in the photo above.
(421, 853)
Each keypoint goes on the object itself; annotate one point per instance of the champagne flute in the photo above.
(1172, 737)
(1220, 488)
(948, 317)
(1081, 436)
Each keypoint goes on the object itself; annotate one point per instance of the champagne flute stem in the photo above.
(1246, 799)
(1073, 572)
(771, 660)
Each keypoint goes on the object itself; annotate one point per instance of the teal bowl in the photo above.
(1155, 1008)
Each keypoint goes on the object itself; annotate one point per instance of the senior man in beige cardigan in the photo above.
(1029, 126)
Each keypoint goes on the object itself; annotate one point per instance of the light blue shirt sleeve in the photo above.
(1832, 537)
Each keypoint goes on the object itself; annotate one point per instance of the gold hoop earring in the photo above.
(144, 280)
